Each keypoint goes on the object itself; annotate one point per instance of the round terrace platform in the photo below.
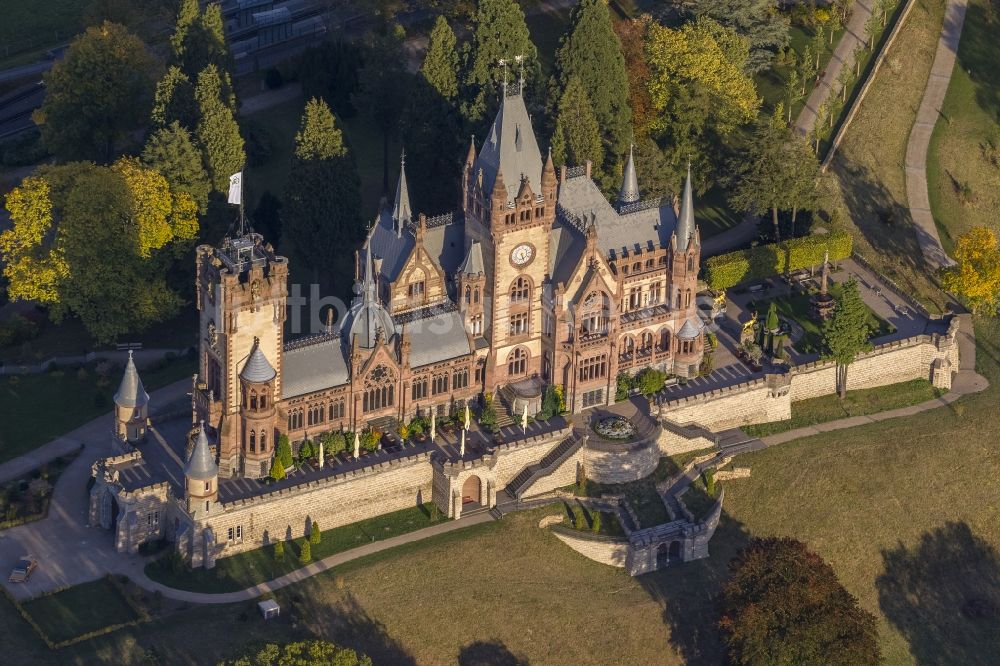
(616, 452)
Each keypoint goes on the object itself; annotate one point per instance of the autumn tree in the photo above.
(322, 209)
(632, 37)
(96, 94)
(757, 21)
(784, 605)
(499, 32)
(845, 333)
(577, 138)
(699, 89)
(975, 277)
(96, 242)
(171, 152)
(590, 51)
(217, 132)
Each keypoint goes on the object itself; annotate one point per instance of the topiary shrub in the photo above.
(277, 469)
(305, 554)
(279, 550)
(284, 452)
(305, 450)
(315, 536)
(596, 524)
(623, 386)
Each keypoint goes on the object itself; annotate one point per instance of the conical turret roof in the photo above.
(473, 264)
(201, 465)
(629, 192)
(257, 369)
(131, 392)
(685, 221)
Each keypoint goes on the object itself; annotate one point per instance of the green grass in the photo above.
(961, 174)
(641, 495)
(856, 403)
(772, 83)
(697, 500)
(80, 609)
(869, 166)
(35, 409)
(714, 214)
(798, 307)
(260, 565)
(27, 29)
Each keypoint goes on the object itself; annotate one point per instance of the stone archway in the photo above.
(472, 490)
(662, 555)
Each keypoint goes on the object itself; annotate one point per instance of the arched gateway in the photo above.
(472, 490)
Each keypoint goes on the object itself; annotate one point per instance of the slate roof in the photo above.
(312, 365)
(438, 337)
(629, 192)
(473, 264)
(367, 316)
(566, 246)
(446, 245)
(690, 330)
(510, 147)
(393, 250)
(644, 228)
(131, 392)
(201, 465)
(257, 368)
(685, 225)
(401, 212)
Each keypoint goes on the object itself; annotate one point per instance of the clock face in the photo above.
(522, 254)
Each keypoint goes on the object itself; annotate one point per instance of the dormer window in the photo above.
(416, 289)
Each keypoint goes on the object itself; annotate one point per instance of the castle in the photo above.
(538, 280)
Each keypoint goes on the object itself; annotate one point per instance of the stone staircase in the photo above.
(503, 404)
(548, 464)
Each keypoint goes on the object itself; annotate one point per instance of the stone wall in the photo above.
(338, 500)
(676, 438)
(606, 550)
(931, 357)
(620, 463)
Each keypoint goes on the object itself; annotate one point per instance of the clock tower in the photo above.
(511, 196)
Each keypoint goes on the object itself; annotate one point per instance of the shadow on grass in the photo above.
(688, 594)
(489, 653)
(943, 595)
(347, 623)
(977, 56)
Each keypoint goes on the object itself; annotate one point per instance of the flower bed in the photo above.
(615, 427)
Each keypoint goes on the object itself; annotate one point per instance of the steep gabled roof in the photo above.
(510, 148)
(473, 264)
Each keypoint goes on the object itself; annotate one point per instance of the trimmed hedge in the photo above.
(728, 270)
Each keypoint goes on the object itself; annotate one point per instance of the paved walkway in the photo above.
(843, 56)
(965, 382)
(920, 136)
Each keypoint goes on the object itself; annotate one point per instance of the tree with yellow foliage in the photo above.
(699, 88)
(976, 275)
(97, 242)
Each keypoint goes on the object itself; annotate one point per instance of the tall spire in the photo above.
(470, 158)
(131, 392)
(629, 192)
(685, 221)
(401, 213)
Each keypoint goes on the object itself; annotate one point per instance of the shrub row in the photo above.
(728, 270)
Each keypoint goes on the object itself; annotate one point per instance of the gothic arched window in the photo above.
(517, 362)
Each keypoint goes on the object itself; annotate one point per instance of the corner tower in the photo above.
(242, 291)
(131, 406)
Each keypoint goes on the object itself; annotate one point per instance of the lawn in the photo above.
(70, 338)
(963, 164)
(856, 403)
(27, 29)
(869, 166)
(35, 409)
(80, 609)
(798, 308)
(713, 213)
(260, 565)
(697, 498)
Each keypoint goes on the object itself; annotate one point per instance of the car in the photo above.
(22, 570)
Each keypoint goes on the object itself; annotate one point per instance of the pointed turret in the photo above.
(201, 465)
(401, 213)
(470, 158)
(131, 393)
(510, 150)
(685, 220)
(629, 192)
(548, 173)
(367, 318)
(473, 264)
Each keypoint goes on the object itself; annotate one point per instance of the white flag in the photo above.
(236, 188)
